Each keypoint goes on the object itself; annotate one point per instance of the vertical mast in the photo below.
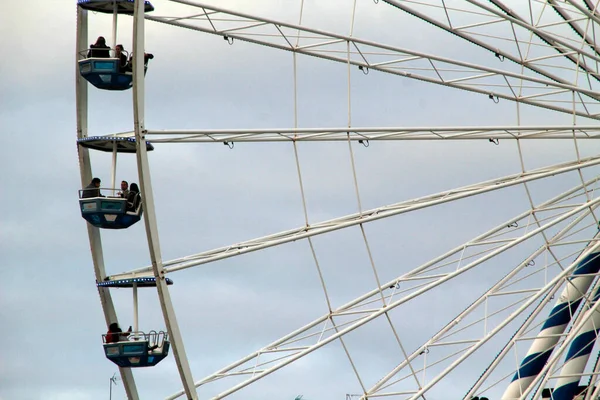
(148, 204)
(85, 169)
(114, 27)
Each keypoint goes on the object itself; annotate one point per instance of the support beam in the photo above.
(85, 170)
(148, 204)
(495, 83)
(574, 53)
(496, 289)
(480, 40)
(582, 33)
(555, 325)
(365, 134)
(579, 352)
(361, 218)
(335, 333)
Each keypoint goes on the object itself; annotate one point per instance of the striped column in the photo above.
(555, 325)
(578, 354)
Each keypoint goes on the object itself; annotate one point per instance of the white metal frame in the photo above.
(489, 133)
(470, 32)
(419, 281)
(366, 134)
(536, 85)
(148, 204)
(147, 200)
(85, 169)
(360, 218)
(499, 84)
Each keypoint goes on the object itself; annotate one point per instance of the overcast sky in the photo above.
(209, 196)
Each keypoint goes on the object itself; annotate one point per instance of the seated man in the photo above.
(92, 190)
(124, 190)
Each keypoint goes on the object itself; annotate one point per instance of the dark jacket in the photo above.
(133, 201)
(99, 51)
(123, 67)
(91, 191)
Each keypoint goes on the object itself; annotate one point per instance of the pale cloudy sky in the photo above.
(208, 196)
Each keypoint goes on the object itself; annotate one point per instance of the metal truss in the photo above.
(549, 91)
(565, 212)
(364, 217)
(550, 78)
(537, 42)
(490, 133)
(552, 368)
(557, 73)
(481, 321)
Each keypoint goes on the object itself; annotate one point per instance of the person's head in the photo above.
(96, 182)
(113, 327)
(134, 188)
(100, 41)
(124, 185)
(119, 48)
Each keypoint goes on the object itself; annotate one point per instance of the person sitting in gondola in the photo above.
(122, 56)
(99, 49)
(124, 190)
(147, 56)
(92, 190)
(133, 197)
(115, 334)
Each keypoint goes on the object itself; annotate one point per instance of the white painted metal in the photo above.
(574, 24)
(495, 290)
(548, 92)
(85, 170)
(573, 369)
(419, 290)
(148, 204)
(113, 173)
(577, 288)
(436, 339)
(580, 322)
(559, 44)
(114, 27)
(472, 36)
(136, 326)
(493, 82)
(373, 134)
(586, 10)
(570, 50)
(359, 218)
(366, 134)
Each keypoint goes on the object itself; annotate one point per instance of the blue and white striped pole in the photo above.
(555, 325)
(578, 354)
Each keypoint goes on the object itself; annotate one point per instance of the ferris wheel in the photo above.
(509, 311)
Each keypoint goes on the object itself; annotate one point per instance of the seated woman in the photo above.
(121, 54)
(99, 49)
(133, 197)
(115, 334)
